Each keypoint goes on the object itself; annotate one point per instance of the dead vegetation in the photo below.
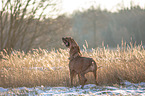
(50, 68)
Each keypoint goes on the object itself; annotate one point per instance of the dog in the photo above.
(78, 64)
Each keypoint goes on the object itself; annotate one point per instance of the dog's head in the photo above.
(69, 42)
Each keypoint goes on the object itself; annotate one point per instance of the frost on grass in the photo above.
(89, 89)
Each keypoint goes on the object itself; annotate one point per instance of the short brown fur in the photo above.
(78, 64)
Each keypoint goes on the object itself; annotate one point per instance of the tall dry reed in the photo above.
(50, 68)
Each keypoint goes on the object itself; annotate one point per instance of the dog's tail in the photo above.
(97, 67)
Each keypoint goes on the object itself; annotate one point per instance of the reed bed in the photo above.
(50, 68)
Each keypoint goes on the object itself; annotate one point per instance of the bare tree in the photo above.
(16, 18)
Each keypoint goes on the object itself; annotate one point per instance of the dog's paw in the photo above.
(96, 83)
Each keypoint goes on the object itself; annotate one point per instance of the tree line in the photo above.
(97, 26)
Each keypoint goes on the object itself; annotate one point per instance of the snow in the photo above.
(90, 89)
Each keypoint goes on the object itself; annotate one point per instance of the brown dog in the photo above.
(78, 64)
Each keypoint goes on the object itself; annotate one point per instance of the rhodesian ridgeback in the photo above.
(78, 64)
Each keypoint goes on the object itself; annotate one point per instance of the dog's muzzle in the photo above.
(65, 42)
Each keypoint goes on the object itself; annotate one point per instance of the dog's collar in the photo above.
(73, 57)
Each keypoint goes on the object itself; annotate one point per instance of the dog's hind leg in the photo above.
(84, 80)
(95, 76)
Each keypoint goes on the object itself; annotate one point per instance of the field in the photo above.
(40, 67)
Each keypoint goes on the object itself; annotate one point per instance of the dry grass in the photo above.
(40, 67)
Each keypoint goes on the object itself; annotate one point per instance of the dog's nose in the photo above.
(63, 38)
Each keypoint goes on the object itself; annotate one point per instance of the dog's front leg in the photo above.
(72, 74)
(71, 79)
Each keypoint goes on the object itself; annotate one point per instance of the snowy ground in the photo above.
(90, 89)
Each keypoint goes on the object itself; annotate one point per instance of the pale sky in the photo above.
(69, 6)
(111, 5)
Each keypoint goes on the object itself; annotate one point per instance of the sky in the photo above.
(69, 6)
